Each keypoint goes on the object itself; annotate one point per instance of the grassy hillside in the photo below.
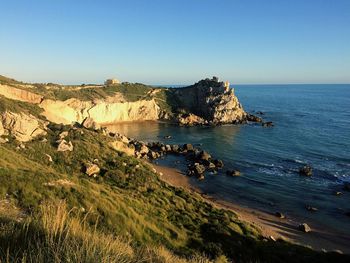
(128, 201)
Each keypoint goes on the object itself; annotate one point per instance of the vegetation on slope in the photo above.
(128, 200)
(19, 106)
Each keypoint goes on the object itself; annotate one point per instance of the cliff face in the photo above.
(213, 102)
(101, 112)
(19, 94)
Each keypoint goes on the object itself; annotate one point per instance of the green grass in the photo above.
(18, 106)
(133, 203)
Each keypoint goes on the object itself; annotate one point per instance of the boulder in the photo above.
(201, 177)
(89, 123)
(3, 140)
(175, 148)
(280, 215)
(92, 169)
(142, 148)
(63, 135)
(311, 208)
(153, 155)
(211, 166)
(198, 168)
(304, 227)
(64, 146)
(204, 156)
(49, 157)
(218, 163)
(233, 172)
(267, 124)
(168, 148)
(188, 147)
(305, 170)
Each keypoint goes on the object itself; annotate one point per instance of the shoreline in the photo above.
(270, 226)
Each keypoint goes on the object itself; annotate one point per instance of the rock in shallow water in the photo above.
(304, 227)
(233, 173)
(280, 215)
(305, 170)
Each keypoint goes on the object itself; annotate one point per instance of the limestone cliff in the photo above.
(101, 112)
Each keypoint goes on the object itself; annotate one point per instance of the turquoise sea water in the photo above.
(312, 126)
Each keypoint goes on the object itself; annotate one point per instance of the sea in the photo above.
(311, 126)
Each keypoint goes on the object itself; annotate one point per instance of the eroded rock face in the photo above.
(101, 112)
(24, 127)
(212, 101)
(20, 94)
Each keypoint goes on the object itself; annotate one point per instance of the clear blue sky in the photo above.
(176, 41)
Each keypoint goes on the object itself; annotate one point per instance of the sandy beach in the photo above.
(270, 225)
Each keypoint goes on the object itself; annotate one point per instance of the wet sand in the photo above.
(270, 225)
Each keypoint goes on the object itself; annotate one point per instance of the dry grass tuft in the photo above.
(62, 235)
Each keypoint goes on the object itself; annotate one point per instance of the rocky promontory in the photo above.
(209, 101)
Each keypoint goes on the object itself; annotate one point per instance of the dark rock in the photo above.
(304, 227)
(211, 166)
(198, 168)
(201, 177)
(203, 155)
(280, 215)
(167, 137)
(175, 148)
(259, 113)
(305, 170)
(153, 155)
(267, 124)
(233, 172)
(311, 208)
(218, 163)
(253, 118)
(188, 147)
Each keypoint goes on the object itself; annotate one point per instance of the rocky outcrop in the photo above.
(213, 102)
(20, 94)
(24, 127)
